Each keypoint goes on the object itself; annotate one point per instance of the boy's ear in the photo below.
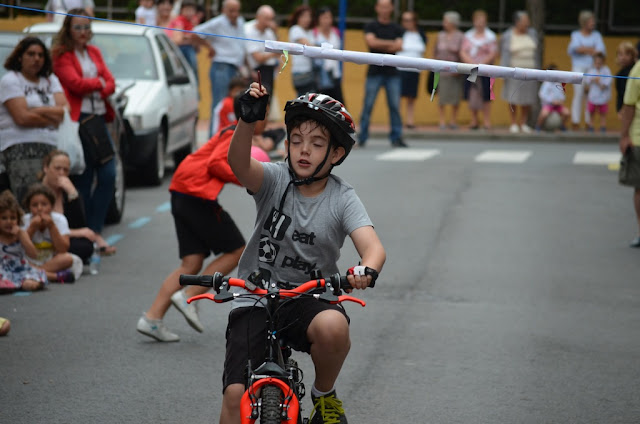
(337, 154)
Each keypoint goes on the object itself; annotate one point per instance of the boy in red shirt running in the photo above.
(202, 227)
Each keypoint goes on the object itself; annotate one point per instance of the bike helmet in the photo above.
(327, 111)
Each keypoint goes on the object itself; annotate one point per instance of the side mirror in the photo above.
(178, 80)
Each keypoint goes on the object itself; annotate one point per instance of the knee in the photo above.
(330, 328)
(236, 254)
(66, 260)
(192, 264)
(231, 398)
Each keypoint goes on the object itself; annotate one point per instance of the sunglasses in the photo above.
(81, 27)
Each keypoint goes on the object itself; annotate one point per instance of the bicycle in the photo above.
(274, 388)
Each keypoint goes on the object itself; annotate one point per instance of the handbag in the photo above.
(629, 174)
(69, 141)
(95, 140)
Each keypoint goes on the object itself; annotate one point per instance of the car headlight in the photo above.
(135, 121)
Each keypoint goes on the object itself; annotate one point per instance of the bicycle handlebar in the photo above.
(332, 285)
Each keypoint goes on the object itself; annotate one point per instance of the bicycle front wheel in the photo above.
(271, 408)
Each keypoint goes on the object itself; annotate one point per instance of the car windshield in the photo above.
(127, 56)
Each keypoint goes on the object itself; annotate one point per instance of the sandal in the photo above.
(107, 250)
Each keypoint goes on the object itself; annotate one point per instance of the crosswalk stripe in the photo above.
(596, 158)
(503, 156)
(416, 155)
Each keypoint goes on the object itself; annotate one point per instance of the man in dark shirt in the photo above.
(383, 36)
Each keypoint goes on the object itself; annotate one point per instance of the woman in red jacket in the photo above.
(87, 84)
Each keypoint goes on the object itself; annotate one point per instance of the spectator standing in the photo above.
(630, 134)
(263, 27)
(552, 98)
(146, 13)
(479, 46)
(16, 247)
(302, 67)
(519, 47)
(185, 41)
(585, 42)
(330, 72)
(229, 52)
(163, 15)
(599, 91)
(626, 57)
(224, 114)
(87, 83)
(32, 106)
(65, 6)
(414, 44)
(383, 36)
(449, 89)
(68, 201)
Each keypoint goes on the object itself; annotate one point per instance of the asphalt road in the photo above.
(509, 296)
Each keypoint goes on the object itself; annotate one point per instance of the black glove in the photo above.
(252, 109)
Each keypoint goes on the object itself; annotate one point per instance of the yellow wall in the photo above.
(355, 75)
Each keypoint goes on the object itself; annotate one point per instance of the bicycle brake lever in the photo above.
(345, 298)
(200, 297)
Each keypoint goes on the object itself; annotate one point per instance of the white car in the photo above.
(162, 91)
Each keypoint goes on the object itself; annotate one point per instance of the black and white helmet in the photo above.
(327, 111)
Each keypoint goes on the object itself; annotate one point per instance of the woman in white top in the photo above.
(32, 106)
(301, 31)
(414, 44)
(585, 42)
(519, 48)
(330, 72)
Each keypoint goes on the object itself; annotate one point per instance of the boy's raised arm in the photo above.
(366, 241)
(253, 108)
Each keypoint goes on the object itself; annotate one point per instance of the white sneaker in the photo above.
(179, 300)
(155, 328)
(77, 266)
(514, 129)
(526, 129)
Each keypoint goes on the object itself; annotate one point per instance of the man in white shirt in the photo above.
(229, 52)
(263, 27)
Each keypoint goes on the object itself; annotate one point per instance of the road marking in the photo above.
(414, 155)
(140, 222)
(165, 207)
(596, 158)
(503, 156)
(113, 239)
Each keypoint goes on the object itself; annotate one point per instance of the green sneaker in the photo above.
(327, 409)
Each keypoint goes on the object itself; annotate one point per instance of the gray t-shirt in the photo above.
(304, 236)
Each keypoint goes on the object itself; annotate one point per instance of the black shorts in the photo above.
(246, 332)
(203, 226)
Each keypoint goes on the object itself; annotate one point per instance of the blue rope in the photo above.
(206, 34)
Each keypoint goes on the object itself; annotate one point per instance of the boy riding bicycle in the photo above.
(303, 216)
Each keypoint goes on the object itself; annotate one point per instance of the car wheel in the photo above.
(116, 207)
(154, 172)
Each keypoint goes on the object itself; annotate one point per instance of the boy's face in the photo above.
(188, 12)
(8, 220)
(308, 146)
(40, 205)
(598, 61)
(147, 4)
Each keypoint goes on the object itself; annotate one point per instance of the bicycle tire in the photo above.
(271, 409)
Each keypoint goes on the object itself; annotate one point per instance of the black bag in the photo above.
(95, 140)
(629, 174)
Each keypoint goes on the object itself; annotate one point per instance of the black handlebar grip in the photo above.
(196, 280)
